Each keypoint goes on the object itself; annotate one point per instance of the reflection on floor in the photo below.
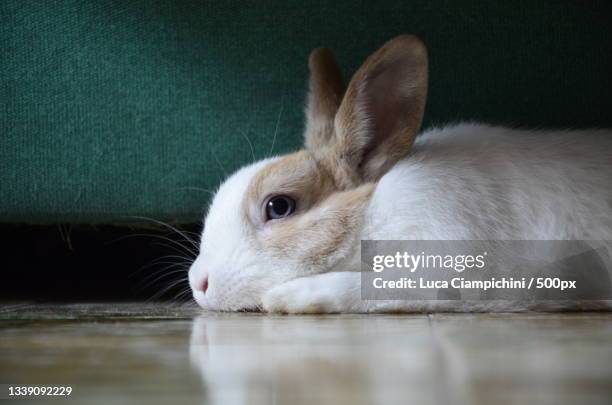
(156, 354)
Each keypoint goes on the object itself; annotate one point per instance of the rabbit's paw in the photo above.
(320, 294)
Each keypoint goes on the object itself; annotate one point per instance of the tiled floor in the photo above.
(155, 354)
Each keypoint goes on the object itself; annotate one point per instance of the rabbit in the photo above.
(283, 234)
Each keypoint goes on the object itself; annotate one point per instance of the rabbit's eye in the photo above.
(280, 206)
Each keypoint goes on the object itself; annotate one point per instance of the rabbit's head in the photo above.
(301, 214)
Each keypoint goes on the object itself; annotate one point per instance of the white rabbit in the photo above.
(283, 234)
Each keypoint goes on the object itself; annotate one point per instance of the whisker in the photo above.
(174, 243)
(184, 258)
(194, 234)
(204, 190)
(159, 294)
(189, 303)
(163, 260)
(174, 249)
(214, 155)
(168, 288)
(168, 265)
(159, 278)
(188, 239)
(250, 144)
(280, 114)
(172, 246)
(155, 263)
(182, 297)
(181, 260)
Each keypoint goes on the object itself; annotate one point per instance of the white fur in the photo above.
(474, 181)
(226, 257)
(469, 181)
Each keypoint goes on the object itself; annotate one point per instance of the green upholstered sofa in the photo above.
(115, 109)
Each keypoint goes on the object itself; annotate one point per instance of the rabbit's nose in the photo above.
(198, 276)
(198, 281)
(204, 286)
(200, 284)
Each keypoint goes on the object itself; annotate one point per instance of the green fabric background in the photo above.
(119, 108)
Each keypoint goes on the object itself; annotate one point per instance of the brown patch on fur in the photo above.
(297, 175)
(326, 222)
(324, 233)
(344, 175)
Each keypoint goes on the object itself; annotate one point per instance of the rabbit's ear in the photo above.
(325, 95)
(381, 112)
